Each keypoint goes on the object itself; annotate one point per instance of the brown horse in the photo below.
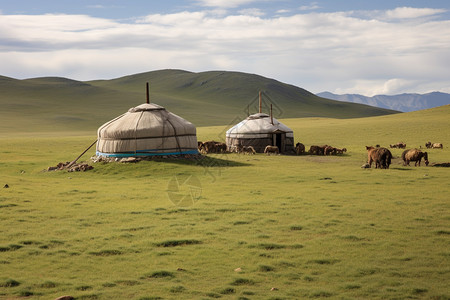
(248, 150)
(414, 155)
(271, 149)
(381, 156)
(317, 150)
(299, 148)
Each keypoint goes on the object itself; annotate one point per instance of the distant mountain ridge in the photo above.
(403, 102)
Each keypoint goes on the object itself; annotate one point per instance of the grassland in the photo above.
(296, 226)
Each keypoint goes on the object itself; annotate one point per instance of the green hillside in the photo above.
(207, 98)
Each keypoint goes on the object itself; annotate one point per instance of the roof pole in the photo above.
(271, 115)
(260, 103)
(148, 95)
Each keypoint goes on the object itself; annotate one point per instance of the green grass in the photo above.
(113, 233)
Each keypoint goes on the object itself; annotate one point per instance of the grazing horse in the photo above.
(437, 145)
(248, 150)
(317, 150)
(428, 145)
(400, 145)
(271, 149)
(299, 148)
(381, 156)
(341, 151)
(328, 150)
(414, 155)
(221, 147)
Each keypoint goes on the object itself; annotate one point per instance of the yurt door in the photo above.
(279, 141)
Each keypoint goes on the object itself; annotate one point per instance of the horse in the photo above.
(299, 148)
(381, 156)
(271, 149)
(317, 150)
(248, 150)
(328, 150)
(201, 147)
(428, 144)
(341, 151)
(221, 147)
(414, 155)
(437, 145)
(400, 145)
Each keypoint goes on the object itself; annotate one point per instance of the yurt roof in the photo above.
(146, 120)
(258, 123)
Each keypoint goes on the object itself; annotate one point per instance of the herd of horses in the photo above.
(380, 156)
(219, 147)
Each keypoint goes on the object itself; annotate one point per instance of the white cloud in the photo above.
(225, 3)
(411, 12)
(311, 6)
(317, 51)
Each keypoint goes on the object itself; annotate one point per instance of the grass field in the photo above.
(296, 226)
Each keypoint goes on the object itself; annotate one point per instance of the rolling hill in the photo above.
(403, 102)
(206, 98)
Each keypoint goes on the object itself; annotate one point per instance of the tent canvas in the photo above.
(260, 130)
(146, 130)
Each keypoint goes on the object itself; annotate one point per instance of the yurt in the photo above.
(146, 130)
(260, 130)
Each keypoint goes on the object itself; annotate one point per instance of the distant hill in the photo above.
(206, 99)
(402, 102)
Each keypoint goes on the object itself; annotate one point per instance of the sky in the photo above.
(341, 46)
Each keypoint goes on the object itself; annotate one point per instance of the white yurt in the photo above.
(260, 130)
(146, 130)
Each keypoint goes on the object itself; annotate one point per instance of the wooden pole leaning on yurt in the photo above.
(260, 103)
(148, 95)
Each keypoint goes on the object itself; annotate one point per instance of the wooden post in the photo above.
(260, 103)
(148, 95)
(271, 115)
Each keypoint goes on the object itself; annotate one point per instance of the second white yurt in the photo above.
(261, 130)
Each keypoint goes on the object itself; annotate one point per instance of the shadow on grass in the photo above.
(204, 161)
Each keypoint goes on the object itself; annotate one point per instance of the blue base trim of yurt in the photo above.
(133, 154)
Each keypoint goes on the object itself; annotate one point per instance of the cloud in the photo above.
(226, 3)
(412, 13)
(339, 52)
(311, 6)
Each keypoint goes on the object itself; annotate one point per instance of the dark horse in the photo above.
(381, 156)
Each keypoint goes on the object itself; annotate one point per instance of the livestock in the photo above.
(214, 147)
(437, 145)
(400, 145)
(299, 148)
(248, 150)
(271, 149)
(221, 147)
(236, 148)
(381, 156)
(328, 150)
(210, 147)
(317, 150)
(428, 144)
(201, 147)
(415, 155)
(341, 151)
